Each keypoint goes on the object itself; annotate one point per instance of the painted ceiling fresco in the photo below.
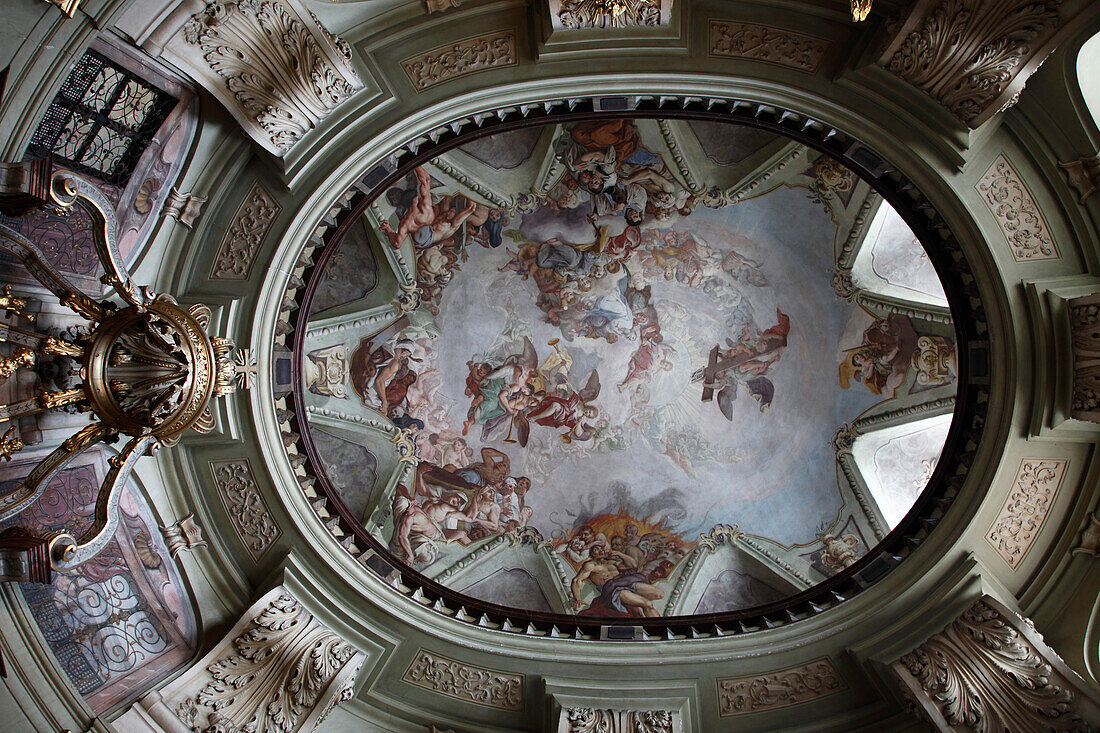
(624, 374)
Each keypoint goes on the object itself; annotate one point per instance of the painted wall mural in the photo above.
(616, 352)
(122, 621)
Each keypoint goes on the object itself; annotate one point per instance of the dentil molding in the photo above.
(271, 63)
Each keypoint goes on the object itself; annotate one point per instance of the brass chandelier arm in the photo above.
(69, 188)
(42, 271)
(67, 553)
(36, 483)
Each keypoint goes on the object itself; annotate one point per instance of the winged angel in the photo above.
(519, 391)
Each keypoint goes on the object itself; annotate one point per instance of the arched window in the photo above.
(1088, 75)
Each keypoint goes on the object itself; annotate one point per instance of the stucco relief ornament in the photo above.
(278, 676)
(576, 14)
(839, 552)
(148, 369)
(1016, 212)
(778, 689)
(466, 682)
(966, 54)
(987, 672)
(284, 76)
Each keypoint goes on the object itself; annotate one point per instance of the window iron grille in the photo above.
(102, 120)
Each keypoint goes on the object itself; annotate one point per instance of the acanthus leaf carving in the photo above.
(284, 72)
(281, 672)
(989, 671)
(606, 720)
(576, 14)
(971, 56)
(1084, 327)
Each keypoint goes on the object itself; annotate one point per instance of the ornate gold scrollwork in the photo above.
(149, 369)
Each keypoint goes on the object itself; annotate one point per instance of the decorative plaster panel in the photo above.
(971, 56)
(989, 670)
(1025, 509)
(245, 235)
(272, 64)
(763, 43)
(246, 507)
(453, 60)
(740, 695)
(466, 682)
(1016, 213)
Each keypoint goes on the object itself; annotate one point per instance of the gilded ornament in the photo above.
(10, 364)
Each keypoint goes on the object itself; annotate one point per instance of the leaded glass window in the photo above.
(102, 120)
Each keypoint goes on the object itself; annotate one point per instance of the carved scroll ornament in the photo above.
(466, 682)
(763, 43)
(740, 695)
(990, 671)
(971, 56)
(471, 55)
(246, 234)
(279, 671)
(1025, 508)
(272, 64)
(1012, 205)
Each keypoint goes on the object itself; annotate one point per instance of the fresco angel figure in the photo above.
(501, 394)
(570, 411)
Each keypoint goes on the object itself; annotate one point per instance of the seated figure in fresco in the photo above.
(882, 361)
(418, 527)
(623, 591)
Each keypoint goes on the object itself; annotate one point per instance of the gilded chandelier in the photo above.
(147, 368)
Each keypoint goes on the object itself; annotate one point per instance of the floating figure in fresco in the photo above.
(569, 409)
(384, 378)
(424, 221)
(485, 226)
(623, 591)
(882, 360)
(500, 393)
(745, 363)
